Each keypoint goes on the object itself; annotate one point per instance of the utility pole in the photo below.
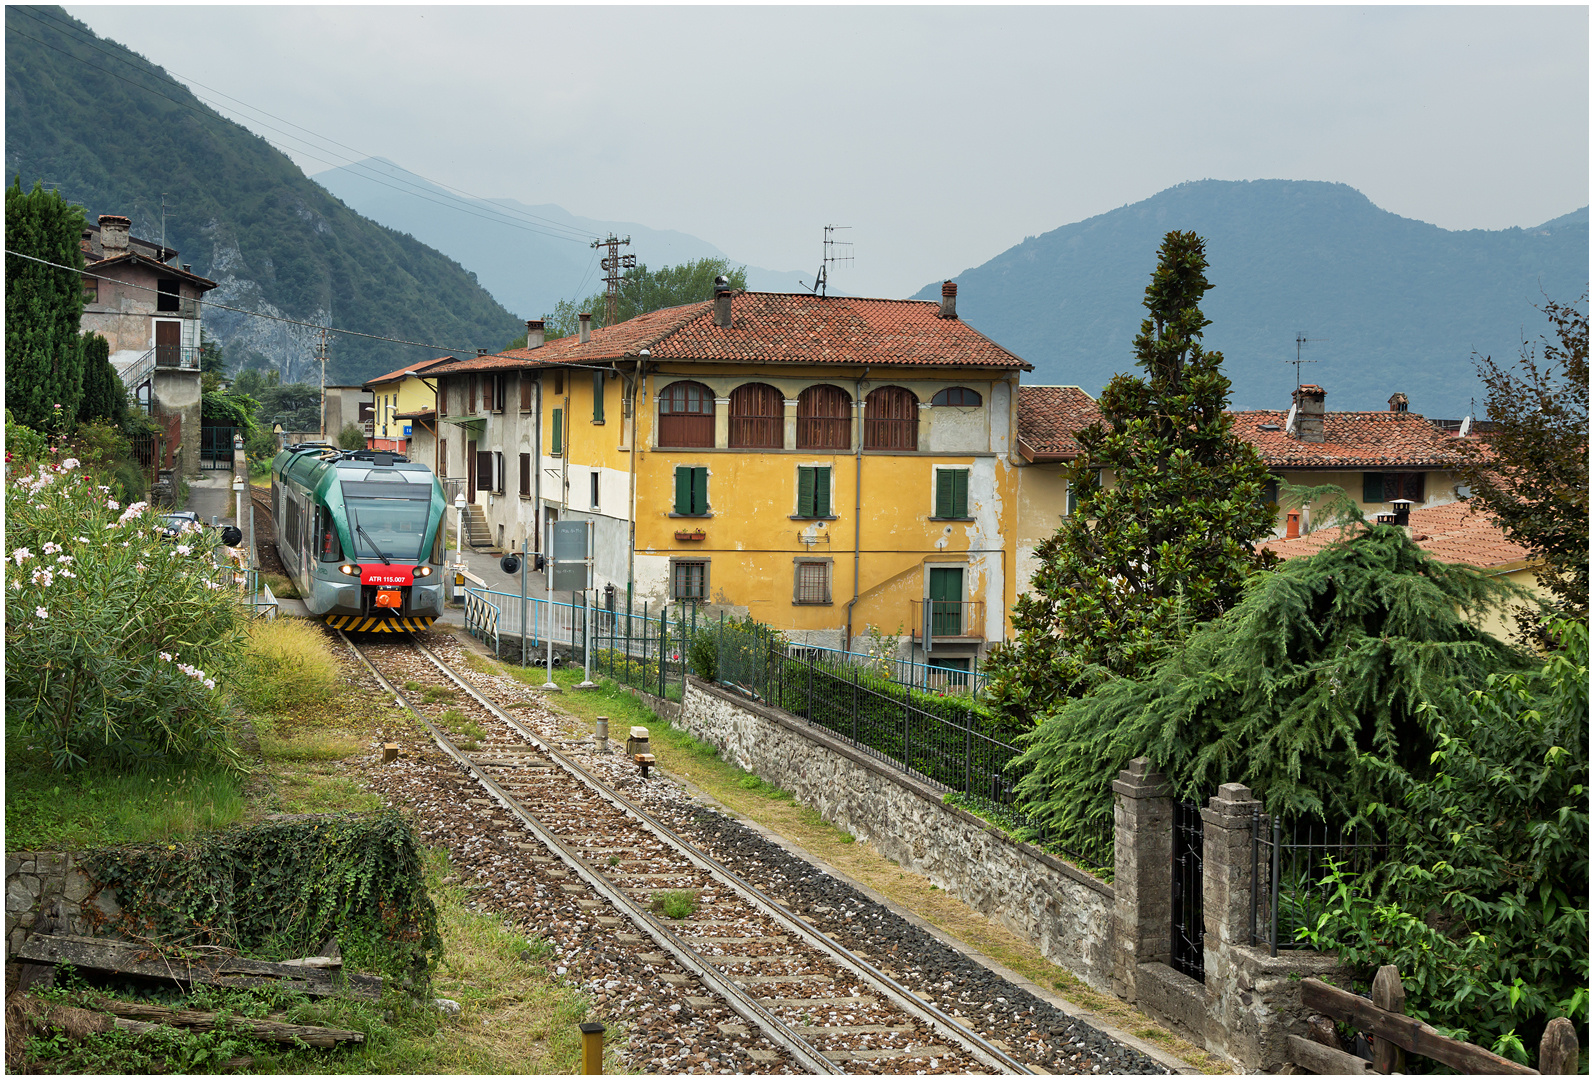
(323, 384)
(611, 271)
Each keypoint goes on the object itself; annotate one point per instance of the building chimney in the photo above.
(722, 301)
(1397, 402)
(534, 331)
(1309, 413)
(586, 326)
(113, 233)
(1292, 525)
(1402, 512)
(949, 299)
(188, 268)
(481, 352)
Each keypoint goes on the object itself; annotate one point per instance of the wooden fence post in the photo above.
(1388, 994)
(1558, 1048)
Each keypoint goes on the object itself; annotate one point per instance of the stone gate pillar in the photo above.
(1142, 873)
(1226, 876)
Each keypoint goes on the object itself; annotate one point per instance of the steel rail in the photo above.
(904, 998)
(742, 1003)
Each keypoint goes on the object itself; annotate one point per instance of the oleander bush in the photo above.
(118, 646)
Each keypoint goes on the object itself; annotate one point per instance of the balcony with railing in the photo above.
(953, 620)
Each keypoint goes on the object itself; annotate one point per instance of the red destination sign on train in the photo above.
(378, 574)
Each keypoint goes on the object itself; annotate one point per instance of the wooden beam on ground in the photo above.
(231, 972)
(1324, 1060)
(1404, 1031)
(270, 1030)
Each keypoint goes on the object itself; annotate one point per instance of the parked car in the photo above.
(174, 524)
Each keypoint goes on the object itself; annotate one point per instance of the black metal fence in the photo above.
(646, 649)
(1291, 881)
(946, 741)
(1189, 917)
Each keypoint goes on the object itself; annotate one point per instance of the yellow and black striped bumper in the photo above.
(378, 624)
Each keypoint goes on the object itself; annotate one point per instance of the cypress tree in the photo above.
(44, 307)
(1170, 544)
(103, 396)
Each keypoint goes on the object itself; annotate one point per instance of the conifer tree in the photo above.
(1170, 544)
(103, 396)
(44, 306)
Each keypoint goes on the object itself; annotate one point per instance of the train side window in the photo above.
(328, 547)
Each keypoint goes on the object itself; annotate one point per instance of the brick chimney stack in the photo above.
(586, 326)
(534, 332)
(114, 230)
(722, 302)
(949, 299)
(1397, 402)
(1309, 413)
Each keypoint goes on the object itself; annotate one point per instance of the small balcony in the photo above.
(176, 356)
(949, 620)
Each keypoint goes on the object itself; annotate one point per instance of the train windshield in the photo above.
(387, 526)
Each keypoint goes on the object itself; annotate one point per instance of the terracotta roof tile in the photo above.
(1050, 416)
(1351, 440)
(776, 328)
(1457, 532)
(394, 376)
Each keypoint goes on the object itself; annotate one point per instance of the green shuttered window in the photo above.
(1372, 487)
(813, 491)
(597, 397)
(951, 493)
(691, 490)
(556, 444)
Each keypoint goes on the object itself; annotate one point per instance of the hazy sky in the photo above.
(942, 135)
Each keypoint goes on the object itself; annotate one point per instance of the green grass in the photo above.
(674, 903)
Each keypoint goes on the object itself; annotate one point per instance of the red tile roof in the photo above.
(1457, 532)
(1351, 440)
(1048, 419)
(776, 328)
(394, 376)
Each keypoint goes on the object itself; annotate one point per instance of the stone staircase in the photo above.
(478, 534)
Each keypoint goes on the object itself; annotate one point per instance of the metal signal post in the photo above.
(612, 266)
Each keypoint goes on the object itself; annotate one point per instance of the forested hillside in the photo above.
(113, 132)
(1390, 303)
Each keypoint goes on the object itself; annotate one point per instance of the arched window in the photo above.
(758, 417)
(890, 419)
(686, 415)
(956, 395)
(824, 419)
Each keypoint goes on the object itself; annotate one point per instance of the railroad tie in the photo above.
(871, 1055)
(860, 999)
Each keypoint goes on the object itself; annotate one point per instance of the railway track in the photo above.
(748, 966)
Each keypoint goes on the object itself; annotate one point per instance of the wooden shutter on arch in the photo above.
(824, 418)
(686, 415)
(758, 417)
(891, 419)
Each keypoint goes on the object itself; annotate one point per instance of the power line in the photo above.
(458, 204)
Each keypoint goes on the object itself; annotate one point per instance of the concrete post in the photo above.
(789, 422)
(1142, 872)
(1226, 873)
(722, 423)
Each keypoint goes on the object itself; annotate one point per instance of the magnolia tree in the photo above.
(118, 644)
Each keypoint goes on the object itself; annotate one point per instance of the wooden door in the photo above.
(946, 602)
(470, 471)
(168, 344)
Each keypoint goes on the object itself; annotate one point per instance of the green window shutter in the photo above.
(1372, 487)
(805, 490)
(683, 490)
(597, 397)
(960, 493)
(822, 492)
(943, 493)
(558, 444)
(700, 490)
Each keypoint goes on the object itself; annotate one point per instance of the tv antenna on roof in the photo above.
(830, 257)
(1300, 340)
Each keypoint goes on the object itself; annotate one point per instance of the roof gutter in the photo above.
(857, 497)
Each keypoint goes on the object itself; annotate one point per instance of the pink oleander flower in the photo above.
(41, 613)
(21, 554)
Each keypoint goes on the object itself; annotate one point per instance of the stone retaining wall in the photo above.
(1064, 911)
(47, 893)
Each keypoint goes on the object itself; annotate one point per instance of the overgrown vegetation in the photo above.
(287, 668)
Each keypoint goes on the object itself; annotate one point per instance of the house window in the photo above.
(686, 415)
(442, 397)
(525, 476)
(442, 457)
(597, 399)
(1072, 501)
(956, 395)
(813, 583)
(556, 433)
(497, 383)
(485, 476)
(824, 419)
(558, 384)
(1385, 487)
(91, 290)
(758, 418)
(689, 580)
(1270, 492)
(813, 491)
(470, 394)
(594, 489)
(946, 601)
(525, 391)
(891, 419)
(951, 493)
(166, 294)
(691, 491)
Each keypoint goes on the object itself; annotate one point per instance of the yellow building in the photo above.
(402, 407)
(827, 465)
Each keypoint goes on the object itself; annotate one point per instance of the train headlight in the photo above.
(350, 569)
(423, 571)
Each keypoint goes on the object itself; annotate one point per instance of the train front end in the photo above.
(389, 525)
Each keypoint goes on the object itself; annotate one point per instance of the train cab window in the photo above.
(328, 547)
